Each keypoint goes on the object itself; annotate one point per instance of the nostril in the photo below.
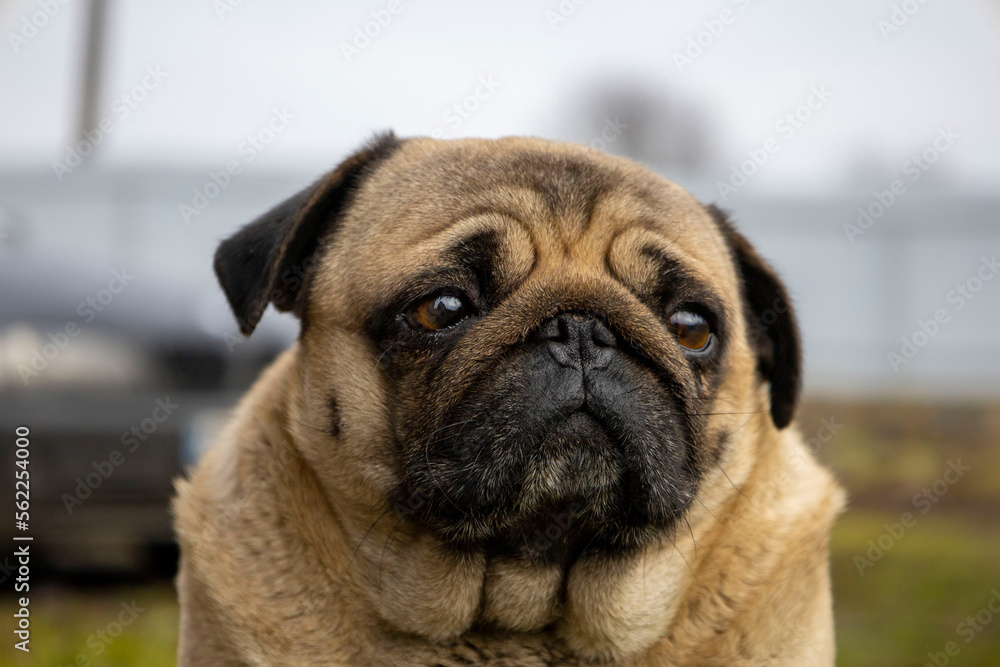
(577, 340)
(602, 335)
(552, 329)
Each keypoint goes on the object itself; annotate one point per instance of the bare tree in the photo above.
(632, 119)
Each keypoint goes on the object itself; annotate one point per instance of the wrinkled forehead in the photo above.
(541, 205)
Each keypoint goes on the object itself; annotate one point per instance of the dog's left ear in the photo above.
(271, 259)
(771, 325)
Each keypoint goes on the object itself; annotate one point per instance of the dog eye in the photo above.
(691, 329)
(438, 312)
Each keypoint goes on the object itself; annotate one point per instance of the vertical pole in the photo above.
(90, 87)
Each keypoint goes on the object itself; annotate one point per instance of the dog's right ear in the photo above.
(772, 327)
(271, 259)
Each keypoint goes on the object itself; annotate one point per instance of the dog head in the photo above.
(521, 347)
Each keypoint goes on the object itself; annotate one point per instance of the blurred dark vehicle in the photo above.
(119, 353)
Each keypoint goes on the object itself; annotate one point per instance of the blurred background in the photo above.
(855, 143)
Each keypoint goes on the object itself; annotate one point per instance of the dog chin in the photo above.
(577, 460)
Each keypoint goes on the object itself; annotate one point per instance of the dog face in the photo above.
(522, 347)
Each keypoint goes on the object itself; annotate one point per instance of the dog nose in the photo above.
(579, 341)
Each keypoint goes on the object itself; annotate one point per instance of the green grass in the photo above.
(943, 569)
(65, 626)
(911, 600)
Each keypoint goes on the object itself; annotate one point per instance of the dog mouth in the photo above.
(576, 478)
(583, 481)
(569, 438)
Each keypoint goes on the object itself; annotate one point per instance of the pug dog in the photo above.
(539, 413)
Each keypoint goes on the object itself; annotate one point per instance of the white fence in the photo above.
(917, 272)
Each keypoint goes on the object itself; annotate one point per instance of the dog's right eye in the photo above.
(439, 312)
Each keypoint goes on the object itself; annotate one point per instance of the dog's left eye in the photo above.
(692, 330)
(439, 312)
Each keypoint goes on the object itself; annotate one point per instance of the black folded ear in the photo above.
(271, 260)
(771, 325)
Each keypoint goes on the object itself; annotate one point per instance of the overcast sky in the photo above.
(889, 93)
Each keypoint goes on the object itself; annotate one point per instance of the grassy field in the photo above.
(937, 468)
(907, 601)
(121, 627)
(910, 602)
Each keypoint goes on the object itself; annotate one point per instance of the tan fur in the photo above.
(291, 554)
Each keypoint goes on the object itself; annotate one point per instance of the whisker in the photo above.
(363, 537)
(304, 425)
(382, 557)
(430, 469)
